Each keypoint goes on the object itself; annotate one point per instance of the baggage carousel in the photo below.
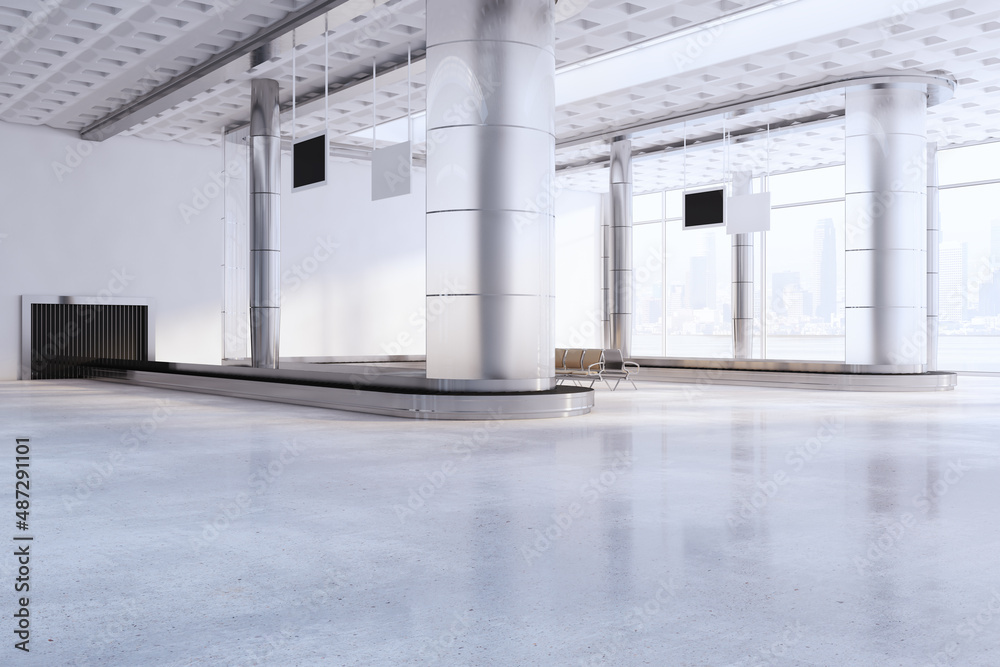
(396, 389)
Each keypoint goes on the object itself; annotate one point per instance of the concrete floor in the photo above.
(673, 526)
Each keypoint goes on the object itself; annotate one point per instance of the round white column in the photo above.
(620, 294)
(742, 278)
(886, 266)
(490, 173)
(606, 280)
(933, 256)
(265, 223)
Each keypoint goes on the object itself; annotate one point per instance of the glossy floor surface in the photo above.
(675, 525)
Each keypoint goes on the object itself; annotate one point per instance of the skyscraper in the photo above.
(989, 291)
(989, 297)
(701, 281)
(824, 279)
(786, 293)
(698, 295)
(710, 270)
(954, 268)
(995, 243)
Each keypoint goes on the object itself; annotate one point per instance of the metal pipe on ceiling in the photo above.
(237, 59)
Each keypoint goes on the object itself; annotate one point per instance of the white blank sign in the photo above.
(748, 213)
(391, 171)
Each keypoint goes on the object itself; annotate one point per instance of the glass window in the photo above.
(674, 204)
(969, 164)
(805, 283)
(757, 351)
(698, 292)
(806, 186)
(578, 307)
(647, 207)
(647, 281)
(969, 275)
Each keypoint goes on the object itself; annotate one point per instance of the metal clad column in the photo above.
(742, 279)
(933, 250)
(621, 246)
(605, 272)
(265, 236)
(490, 209)
(886, 267)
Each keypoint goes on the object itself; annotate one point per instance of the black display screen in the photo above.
(702, 209)
(309, 162)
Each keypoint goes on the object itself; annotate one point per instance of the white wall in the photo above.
(152, 210)
(578, 276)
(366, 297)
(74, 213)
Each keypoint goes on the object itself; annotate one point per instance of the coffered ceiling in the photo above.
(71, 63)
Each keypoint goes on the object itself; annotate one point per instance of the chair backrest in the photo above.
(613, 360)
(591, 357)
(574, 358)
(560, 358)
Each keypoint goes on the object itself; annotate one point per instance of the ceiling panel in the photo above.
(67, 63)
(383, 35)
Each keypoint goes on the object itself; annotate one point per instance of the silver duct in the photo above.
(621, 246)
(742, 279)
(886, 209)
(933, 253)
(265, 223)
(490, 173)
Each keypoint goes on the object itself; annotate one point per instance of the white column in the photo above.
(265, 223)
(742, 279)
(886, 266)
(606, 271)
(621, 246)
(933, 254)
(490, 173)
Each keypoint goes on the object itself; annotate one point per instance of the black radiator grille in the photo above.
(64, 335)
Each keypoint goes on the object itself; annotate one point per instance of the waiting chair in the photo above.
(617, 368)
(579, 364)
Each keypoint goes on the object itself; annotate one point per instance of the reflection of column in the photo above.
(490, 168)
(621, 245)
(613, 548)
(742, 279)
(265, 223)
(886, 227)
(748, 466)
(933, 246)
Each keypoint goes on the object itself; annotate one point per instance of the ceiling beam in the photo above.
(940, 88)
(709, 141)
(338, 94)
(731, 38)
(200, 78)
